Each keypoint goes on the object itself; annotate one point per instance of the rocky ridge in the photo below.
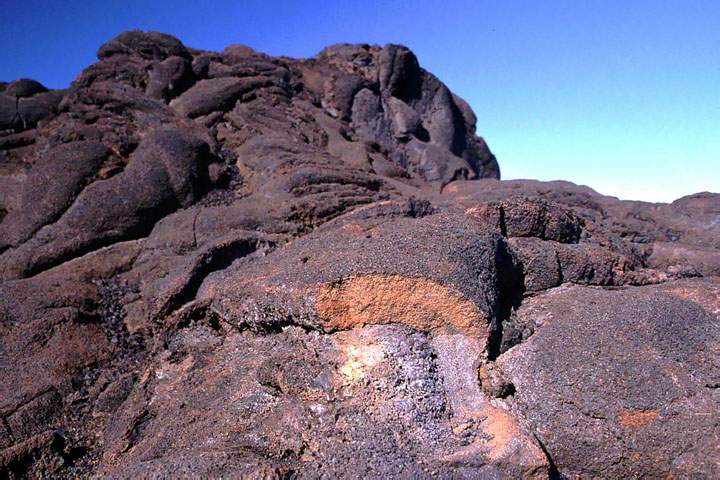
(232, 264)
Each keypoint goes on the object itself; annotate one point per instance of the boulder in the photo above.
(149, 45)
(24, 87)
(216, 94)
(616, 383)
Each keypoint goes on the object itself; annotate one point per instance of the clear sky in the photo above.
(623, 96)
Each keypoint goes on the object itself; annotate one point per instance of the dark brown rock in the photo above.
(24, 87)
(226, 264)
(600, 383)
(166, 173)
(217, 94)
(169, 78)
(58, 177)
(25, 102)
(151, 45)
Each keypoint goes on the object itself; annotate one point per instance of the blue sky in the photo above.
(623, 96)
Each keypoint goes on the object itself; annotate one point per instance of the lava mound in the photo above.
(228, 264)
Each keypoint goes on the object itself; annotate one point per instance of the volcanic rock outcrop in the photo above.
(226, 264)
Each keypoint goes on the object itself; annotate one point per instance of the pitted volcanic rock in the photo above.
(228, 264)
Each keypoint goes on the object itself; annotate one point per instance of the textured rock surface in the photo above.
(226, 264)
(610, 408)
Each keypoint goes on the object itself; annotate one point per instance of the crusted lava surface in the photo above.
(227, 264)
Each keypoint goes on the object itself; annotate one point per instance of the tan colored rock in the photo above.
(418, 303)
